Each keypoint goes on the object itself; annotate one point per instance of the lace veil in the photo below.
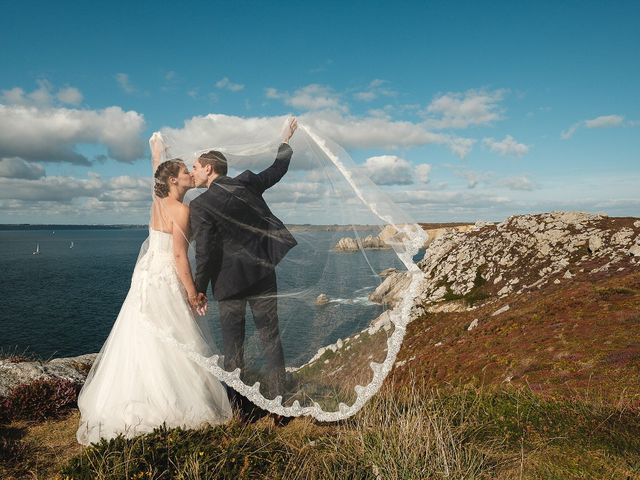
(345, 291)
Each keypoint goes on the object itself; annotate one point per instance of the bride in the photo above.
(138, 382)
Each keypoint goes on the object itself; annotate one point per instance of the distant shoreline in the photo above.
(28, 226)
(293, 227)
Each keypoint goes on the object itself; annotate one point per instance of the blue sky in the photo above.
(461, 111)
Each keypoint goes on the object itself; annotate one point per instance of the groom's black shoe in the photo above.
(246, 411)
(280, 420)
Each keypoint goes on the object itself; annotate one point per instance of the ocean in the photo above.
(64, 301)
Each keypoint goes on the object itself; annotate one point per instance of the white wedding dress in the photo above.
(138, 381)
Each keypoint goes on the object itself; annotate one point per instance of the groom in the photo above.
(239, 242)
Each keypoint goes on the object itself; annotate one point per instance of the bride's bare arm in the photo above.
(159, 150)
(180, 249)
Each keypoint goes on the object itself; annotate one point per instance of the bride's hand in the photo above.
(158, 147)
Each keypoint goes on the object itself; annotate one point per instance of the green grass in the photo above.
(403, 433)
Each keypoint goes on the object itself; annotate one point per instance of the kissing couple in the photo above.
(140, 379)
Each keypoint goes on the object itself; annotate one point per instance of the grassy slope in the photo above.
(574, 339)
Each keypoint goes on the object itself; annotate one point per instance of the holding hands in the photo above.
(199, 303)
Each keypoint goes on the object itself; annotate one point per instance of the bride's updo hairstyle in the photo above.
(170, 168)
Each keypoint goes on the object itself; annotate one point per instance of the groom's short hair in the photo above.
(216, 159)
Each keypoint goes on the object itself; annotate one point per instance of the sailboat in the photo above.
(37, 252)
(71, 245)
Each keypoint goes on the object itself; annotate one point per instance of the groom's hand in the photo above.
(289, 129)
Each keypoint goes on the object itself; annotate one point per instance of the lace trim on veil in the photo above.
(406, 242)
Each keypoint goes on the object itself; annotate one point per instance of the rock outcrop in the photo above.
(349, 244)
(526, 252)
(389, 235)
(390, 291)
(13, 374)
(521, 253)
(322, 299)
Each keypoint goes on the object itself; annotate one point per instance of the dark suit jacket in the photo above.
(238, 240)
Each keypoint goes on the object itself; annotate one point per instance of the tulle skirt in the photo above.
(140, 381)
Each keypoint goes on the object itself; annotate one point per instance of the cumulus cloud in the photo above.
(351, 132)
(68, 189)
(374, 90)
(603, 121)
(376, 132)
(18, 168)
(388, 170)
(124, 82)
(507, 146)
(67, 199)
(422, 172)
(43, 96)
(227, 84)
(311, 97)
(51, 134)
(462, 110)
(70, 95)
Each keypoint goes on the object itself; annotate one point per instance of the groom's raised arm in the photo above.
(272, 174)
(204, 234)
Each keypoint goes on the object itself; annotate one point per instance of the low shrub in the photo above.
(40, 400)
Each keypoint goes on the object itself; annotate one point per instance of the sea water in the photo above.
(64, 301)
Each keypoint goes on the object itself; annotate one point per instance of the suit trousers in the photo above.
(262, 299)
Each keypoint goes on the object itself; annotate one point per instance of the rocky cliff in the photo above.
(526, 252)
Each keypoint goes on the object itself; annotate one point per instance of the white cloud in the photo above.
(388, 170)
(68, 189)
(51, 134)
(568, 133)
(450, 199)
(311, 97)
(517, 183)
(215, 130)
(124, 82)
(603, 121)
(461, 110)
(507, 146)
(296, 192)
(13, 96)
(18, 168)
(70, 95)
(422, 172)
(375, 132)
(42, 96)
(374, 90)
(227, 84)
(472, 178)
(124, 200)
